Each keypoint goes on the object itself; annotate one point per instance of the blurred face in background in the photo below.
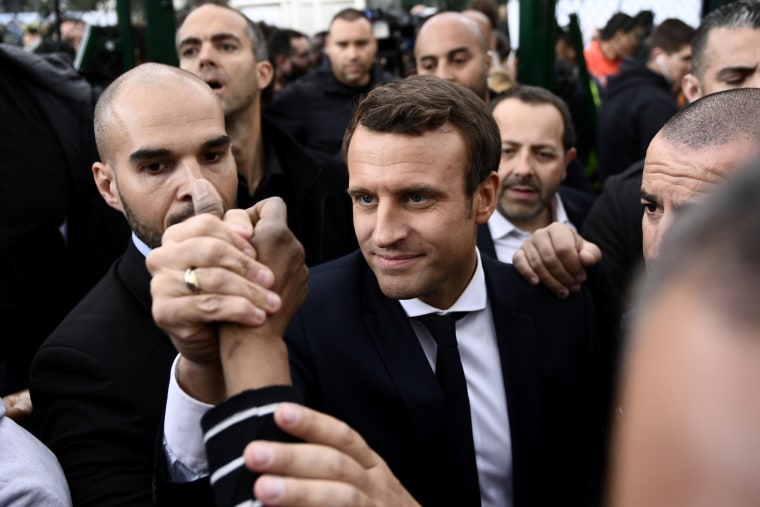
(351, 47)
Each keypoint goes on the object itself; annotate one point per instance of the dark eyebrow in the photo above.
(219, 37)
(646, 196)
(148, 153)
(456, 51)
(151, 153)
(220, 142)
(740, 69)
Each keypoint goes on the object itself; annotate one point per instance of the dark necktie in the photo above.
(462, 468)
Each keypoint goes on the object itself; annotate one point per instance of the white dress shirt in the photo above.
(507, 238)
(479, 352)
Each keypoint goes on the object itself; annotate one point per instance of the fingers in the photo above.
(19, 406)
(206, 226)
(206, 199)
(334, 467)
(552, 255)
(590, 254)
(318, 428)
(287, 492)
(272, 210)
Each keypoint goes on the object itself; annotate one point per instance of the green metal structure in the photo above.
(538, 33)
(159, 32)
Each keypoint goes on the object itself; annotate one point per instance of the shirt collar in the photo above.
(500, 227)
(141, 246)
(473, 298)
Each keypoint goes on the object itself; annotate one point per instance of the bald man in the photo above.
(98, 383)
(452, 46)
(725, 55)
(689, 434)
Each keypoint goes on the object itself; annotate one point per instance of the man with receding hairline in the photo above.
(452, 46)
(98, 382)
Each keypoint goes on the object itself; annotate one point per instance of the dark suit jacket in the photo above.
(577, 205)
(98, 385)
(314, 190)
(354, 354)
(614, 223)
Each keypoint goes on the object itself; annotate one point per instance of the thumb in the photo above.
(206, 199)
(590, 254)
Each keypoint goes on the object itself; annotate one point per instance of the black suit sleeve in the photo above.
(77, 401)
(614, 224)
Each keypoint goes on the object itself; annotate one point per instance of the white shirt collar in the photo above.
(473, 298)
(141, 246)
(500, 227)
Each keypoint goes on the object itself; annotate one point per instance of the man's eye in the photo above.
(188, 52)
(155, 167)
(213, 156)
(365, 199)
(227, 47)
(649, 208)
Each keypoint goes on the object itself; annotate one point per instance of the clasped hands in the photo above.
(252, 278)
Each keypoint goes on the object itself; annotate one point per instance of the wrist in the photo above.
(252, 358)
(202, 381)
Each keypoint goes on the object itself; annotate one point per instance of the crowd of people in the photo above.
(283, 273)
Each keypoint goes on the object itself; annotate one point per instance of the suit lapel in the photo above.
(135, 276)
(516, 338)
(400, 350)
(403, 356)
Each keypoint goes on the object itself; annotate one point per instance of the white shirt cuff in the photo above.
(183, 436)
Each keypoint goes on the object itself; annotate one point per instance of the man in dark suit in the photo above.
(537, 145)
(422, 156)
(98, 382)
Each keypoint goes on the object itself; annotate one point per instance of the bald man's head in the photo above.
(452, 46)
(696, 150)
(142, 79)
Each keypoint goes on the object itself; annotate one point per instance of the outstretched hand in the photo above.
(334, 466)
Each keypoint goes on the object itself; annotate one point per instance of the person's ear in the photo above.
(692, 88)
(569, 157)
(105, 181)
(265, 73)
(484, 200)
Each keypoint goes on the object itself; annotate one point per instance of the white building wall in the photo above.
(308, 16)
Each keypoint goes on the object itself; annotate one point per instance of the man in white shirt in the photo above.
(422, 156)
(537, 138)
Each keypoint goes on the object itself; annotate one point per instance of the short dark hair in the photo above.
(716, 119)
(420, 104)
(537, 95)
(738, 14)
(487, 7)
(255, 34)
(349, 14)
(716, 245)
(279, 42)
(618, 21)
(671, 35)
